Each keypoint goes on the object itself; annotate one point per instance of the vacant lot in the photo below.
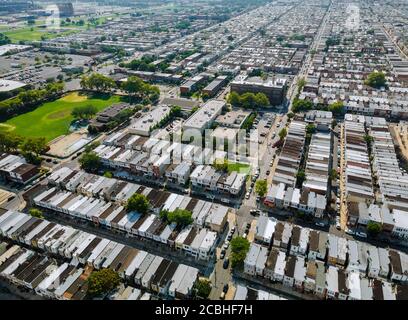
(53, 119)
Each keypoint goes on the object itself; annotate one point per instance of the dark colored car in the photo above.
(225, 288)
(226, 263)
(222, 254)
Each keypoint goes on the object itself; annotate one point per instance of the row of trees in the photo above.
(248, 100)
(302, 105)
(26, 100)
(30, 148)
(146, 64)
(134, 87)
(137, 88)
(97, 81)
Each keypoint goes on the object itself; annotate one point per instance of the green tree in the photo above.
(301, 105)
(239, 250)
(282, 133)
(202, 288)
(310, 128)
(234, 99)
(301, 83)
(4, 39)
(221, 165)
(337, 108)
(34, 212)
(261, 100)
(261, 187)
(368, 139)
(32, 148)
(181, 217)
(248, 100)
(98, 82)
(90, 162)
(108, 174)
(9, 141)
(301, 176)
(376, 80)
(139, 203)
(84, 112)
(333, 174)
(374, 228)
(176, 111)
(133, 86)
(102, 282)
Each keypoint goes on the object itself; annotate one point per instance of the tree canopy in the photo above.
(282, 133)
(136, 87)
(376, 80)
(261, 187)
(84, 112)
(337, 108)
(31, 148)
(37, 213)
(97, 81)
(179, 216)
(139, 203)
(301, 105)
(102, 282)
(203, 288)
(373, 228)
(248, 100)
(239, 250)
(90, 161)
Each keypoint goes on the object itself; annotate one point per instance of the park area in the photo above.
(34, 34)
(53, 119)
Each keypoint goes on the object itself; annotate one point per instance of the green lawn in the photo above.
(53, 119)
(26, 34)
(239, 167)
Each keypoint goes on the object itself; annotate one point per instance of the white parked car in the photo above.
(361, 234)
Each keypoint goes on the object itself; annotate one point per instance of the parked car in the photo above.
(361, 234)
(229, 237)
(226, 245)
(268, 172)
(244, 235)
(349, 231)
(320, 224)
(222, 296)
(222, 254)
(338, 226)
(233, 230)
(248, 226)
(226, 263)
(225, 288)
(247, 195)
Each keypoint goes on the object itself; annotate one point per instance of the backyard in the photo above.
(53, 119)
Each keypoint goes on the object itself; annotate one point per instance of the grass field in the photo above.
(26, 34)
(53, 119)
(239, 167)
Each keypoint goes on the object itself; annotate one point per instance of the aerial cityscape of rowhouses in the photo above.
(192, 150)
